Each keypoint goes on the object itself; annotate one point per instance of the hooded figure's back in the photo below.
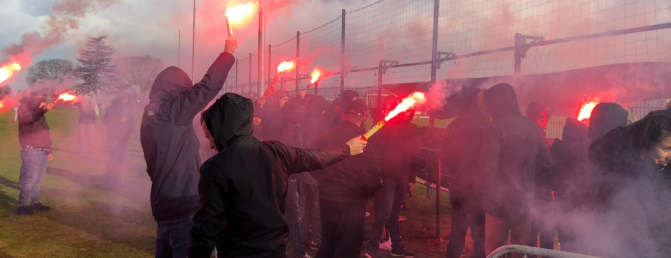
(515, 149)
(243, 187)
(170, 145)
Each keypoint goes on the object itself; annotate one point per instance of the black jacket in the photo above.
(118, 131)
(606, 117)
(570, 178)
(317, 121)
(291, 127)
(464, 142)
(515, 151)
(33, 128)
(356, 177)
(168, 139)
(397, 149)
(243, 187)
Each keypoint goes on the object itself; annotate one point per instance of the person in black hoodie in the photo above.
(397, 149)
(317, 120)
(543, 192)
(632, 191)
(515, 153)
(120, 124)
(345, 187)
(243, 187)
(606, 117)
(171, 148)
(35, 141)
(461, 162)
(570, 178)
(346, 97)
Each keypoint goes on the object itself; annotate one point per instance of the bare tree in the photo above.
(137, 71)
(51, 69)
(5, 90)
(95, 65)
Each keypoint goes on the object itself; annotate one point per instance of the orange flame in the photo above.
(586, 110)
(406, 103)
(67, 97)
(238, 12)
(1, 105)
(315, 75)
(8, 70)
(286, 66)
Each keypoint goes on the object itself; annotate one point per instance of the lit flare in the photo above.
(407, 103)
(239, 12)
(286, 66)
(315, 75)
(8, 70)
(67, 97)
(586, 110)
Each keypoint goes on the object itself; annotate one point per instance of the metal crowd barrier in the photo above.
(529, 251)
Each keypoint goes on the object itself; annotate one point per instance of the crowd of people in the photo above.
(249, 176)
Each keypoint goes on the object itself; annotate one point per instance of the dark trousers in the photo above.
(497, 230)
(342, 225)
(387, 210)
(117, 155)
(172, 238)
(467, 212)
(292, 215)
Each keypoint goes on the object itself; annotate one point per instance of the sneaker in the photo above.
(386, 245)
(402, 218)
(25, 210)
(373, 254)
(401, 252)
(40, 207)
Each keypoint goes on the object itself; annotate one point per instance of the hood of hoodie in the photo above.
(317, 105)
(574, 131)
(606, 117)
(229, 118)
(169, 83)
(501, 100)
(474, 105)
(347, 96)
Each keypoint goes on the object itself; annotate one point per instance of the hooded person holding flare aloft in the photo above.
(243, 187)
(171, 147)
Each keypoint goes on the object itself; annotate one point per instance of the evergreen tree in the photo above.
(95, 66)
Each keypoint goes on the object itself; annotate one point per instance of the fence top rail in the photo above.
(362, 8)
(535, 251)
(324, 25)
(285, 42)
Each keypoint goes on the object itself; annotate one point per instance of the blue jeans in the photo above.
(293, 217)
(172, 237)
(388, 203)
(311, 223)
(33, 168)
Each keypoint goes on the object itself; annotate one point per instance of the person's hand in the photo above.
(231, 45)
(356, 146)
(50, 106)
(303, 93)
(270, 91)
(51, 157)
(124, 119)
(43, 104)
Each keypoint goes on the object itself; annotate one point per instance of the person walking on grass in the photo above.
(171, 147)
(88, 111)
(35, 141)
(120, 124)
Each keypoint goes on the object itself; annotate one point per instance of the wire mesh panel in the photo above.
(320, 47)
(285, 51)
(390, 30)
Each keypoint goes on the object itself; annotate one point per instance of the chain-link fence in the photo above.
(389, 42)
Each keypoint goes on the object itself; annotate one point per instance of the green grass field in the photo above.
(88, 221)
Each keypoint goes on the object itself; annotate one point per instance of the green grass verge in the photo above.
(88, 221)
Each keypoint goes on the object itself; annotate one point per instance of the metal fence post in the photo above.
(379, 84)
(438, 187)
(434, 56)
(236, 73)
(342, 52)
(518, 53)
(298, 55)
(270, 55)
(250, 72)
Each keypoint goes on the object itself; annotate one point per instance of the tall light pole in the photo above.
(193, 44)
(262, 42)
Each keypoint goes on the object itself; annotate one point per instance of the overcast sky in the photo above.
(151, 27)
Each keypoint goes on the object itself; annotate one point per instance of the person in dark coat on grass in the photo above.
(120, 123)
(345, 187)
(171, 148)
(570, 178)
(397, 149)
(515, 154)
(632, 191)
(242, 188)
(461, 162)
(35, 141)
